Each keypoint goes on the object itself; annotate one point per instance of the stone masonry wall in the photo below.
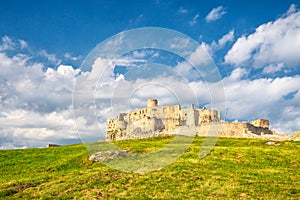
(172, 120)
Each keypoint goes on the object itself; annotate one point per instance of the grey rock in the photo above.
(102, 156)
(272, 143)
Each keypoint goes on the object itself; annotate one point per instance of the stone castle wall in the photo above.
(172, 120)
(231, 129)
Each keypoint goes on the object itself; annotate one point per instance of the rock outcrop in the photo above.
(103, 156)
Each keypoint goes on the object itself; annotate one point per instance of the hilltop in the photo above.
(235, 168)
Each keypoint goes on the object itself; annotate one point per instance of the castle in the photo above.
(173, 120)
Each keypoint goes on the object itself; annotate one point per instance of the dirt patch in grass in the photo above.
(13, 190)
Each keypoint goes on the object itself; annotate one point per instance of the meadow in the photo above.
(234, 169)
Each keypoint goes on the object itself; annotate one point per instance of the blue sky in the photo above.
(76, 27)
(254, 44)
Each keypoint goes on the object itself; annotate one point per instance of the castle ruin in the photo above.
(173, 120)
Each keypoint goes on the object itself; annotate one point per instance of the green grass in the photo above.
(234, 169)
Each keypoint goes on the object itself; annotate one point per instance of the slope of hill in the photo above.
(236, 168)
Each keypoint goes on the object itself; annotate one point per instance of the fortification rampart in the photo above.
(173, 120)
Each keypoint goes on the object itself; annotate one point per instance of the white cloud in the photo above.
(70, 57)
(202, 60)
(249, 99)
(51, 57)
(217, 45)
(182, 11)
(143, 54)
(199, 57)
(7, 44)
(292, 9)
(23, 128)
(114, 44)
(194, 20)
(237, 74)
(25, 123)
(129, 62)
(215, 14)
(180, 43)
(137, 20)
(139, 54)
(263, 98)
(28, 86)
(66, 71)
(271, 69)
(20, 47)
(186, 70)
(23, 44)
(36, 104)
(272, 43)
(226, 38)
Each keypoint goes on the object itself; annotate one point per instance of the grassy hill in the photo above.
(236, 168)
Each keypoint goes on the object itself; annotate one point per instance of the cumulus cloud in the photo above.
(226, 38)
(215, 14)
(36, 101)
(272, 44)
(217, 45)
(24, 128)
(205, 69)
(35, 104)
(38, 110)
(248, 99)
(276, 99)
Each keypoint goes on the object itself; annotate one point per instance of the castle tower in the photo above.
(152, 103)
